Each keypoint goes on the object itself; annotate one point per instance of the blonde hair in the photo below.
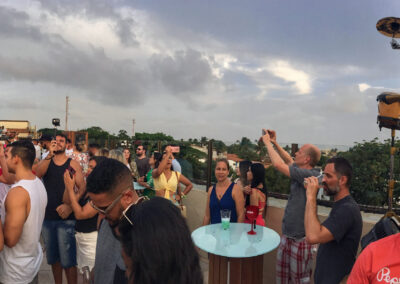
(117, 155)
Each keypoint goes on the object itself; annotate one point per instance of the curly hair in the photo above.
(159, 245)
(107, 176)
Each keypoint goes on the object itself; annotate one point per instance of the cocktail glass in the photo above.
(251, 214)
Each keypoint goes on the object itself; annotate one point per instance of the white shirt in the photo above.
(21, 263)
(38, 150)
(44, 154)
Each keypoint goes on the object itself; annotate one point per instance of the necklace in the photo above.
(224, 185)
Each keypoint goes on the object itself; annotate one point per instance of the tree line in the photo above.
(370, 160)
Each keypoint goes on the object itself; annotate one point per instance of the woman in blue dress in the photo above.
(225, 194)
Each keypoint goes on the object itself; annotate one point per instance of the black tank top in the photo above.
(86, 225)
(54, 182)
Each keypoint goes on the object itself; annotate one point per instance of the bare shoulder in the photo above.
(17, 194)
(236, 188)
(210, 190)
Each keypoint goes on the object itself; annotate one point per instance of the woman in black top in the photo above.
(86, 224)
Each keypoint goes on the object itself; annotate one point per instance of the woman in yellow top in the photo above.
(166, 180)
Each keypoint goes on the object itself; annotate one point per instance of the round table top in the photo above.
(235, 242)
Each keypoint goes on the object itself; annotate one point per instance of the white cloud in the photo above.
(283, 69)
(363, 87)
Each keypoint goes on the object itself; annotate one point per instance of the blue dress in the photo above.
(226, 202)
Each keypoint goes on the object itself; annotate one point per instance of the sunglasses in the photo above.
(105, 210)
(124, 213)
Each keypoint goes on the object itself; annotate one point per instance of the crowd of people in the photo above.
(106, 217)
(76, 198)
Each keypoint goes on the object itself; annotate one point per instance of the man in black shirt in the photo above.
(142, 162)
(59, 224)
(339, 235)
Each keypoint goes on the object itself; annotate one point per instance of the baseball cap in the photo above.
(45, 137)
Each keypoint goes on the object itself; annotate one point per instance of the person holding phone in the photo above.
(293, 246)
(148, 183)
(166, 180)
(176, 166)
(59, 223)
(86, 222)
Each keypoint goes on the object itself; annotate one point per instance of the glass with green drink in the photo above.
(225, 218)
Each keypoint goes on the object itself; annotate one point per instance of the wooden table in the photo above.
(235, 256)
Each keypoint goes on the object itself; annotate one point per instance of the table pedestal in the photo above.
(247, 270)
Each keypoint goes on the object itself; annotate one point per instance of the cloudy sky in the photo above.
(220, 69)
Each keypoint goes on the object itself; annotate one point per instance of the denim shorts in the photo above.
(59, 240)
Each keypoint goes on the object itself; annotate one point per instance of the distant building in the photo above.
(10, 129)
(233, 161)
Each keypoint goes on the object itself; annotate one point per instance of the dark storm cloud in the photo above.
(95, 9)
(15, 24)
(183, 72)
(116, 82)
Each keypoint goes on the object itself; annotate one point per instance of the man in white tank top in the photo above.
(22, 214)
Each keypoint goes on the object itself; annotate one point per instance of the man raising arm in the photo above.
(294, 257)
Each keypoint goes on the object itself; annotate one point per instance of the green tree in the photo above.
(245, 149)
(203, 140)
(123, 135)
(219, 146)
(371, 164)
(276, 181)
(159, 136)
(97, 133)
(48, 131)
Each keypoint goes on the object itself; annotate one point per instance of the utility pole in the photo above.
(133, 127)
(66, 113)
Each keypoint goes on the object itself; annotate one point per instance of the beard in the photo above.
(330, 191)
(62, 150)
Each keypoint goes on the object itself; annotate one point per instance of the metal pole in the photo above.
(209, 163)
(391, 180)
(66, 113)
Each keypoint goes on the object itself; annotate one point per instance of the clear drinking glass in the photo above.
(225, 218)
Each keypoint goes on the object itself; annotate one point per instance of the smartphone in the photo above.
(71, 171)
(175, 149)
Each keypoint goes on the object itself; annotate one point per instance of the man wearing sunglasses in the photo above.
(111, 193)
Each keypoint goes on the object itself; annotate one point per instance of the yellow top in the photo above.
(170, 186)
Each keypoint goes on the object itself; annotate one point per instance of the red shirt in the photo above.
(378, 263)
